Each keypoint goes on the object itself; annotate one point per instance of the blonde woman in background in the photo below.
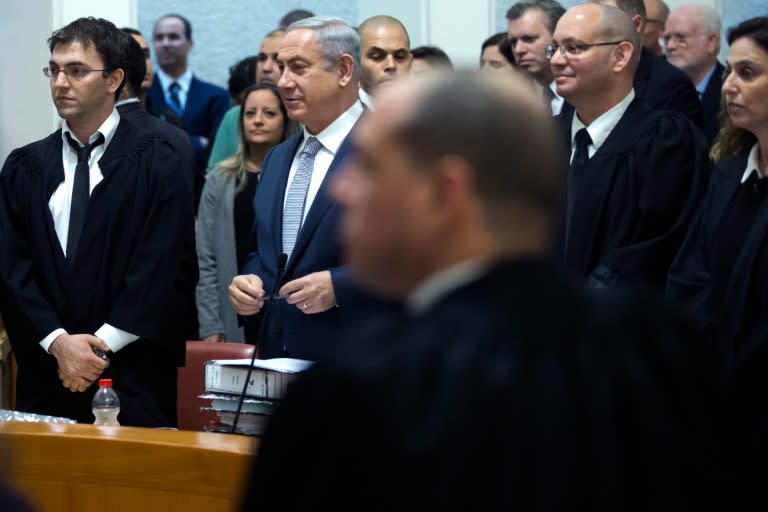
(225, 216)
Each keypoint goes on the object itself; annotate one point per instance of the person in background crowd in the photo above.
(292, 16)
(429, 58)
(656, 12)
(384, 54)
(226, 216)
(241, 76)
(199, 104)
(267, 71)
(492, 55)
(529, 32)
(692, 39)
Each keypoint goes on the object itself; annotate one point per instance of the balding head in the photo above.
(385, 51)
(602, 53)
(635, 9)
(432, 186)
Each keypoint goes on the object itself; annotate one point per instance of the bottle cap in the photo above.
(105, 382)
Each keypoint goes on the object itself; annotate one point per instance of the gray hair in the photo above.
(709, 21)
(335, 38)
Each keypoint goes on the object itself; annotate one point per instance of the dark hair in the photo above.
(551, 9)
(131, 31)
(106, 38)
(292, 16)
(135, 65)
(185, 21)
(236, 165)
(242, 75)
(731, 140)
(433, 55)
(501, 42)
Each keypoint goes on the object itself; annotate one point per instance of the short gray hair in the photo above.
(335, 37)
(709, 21)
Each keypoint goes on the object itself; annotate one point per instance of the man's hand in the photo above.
(79, 367)
(312, 293)
(213, 338)
(245, 294)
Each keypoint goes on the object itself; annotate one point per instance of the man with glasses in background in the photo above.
(656, 12)
(97, 260)
(636, 175)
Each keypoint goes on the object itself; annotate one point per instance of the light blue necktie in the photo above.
(295, 202)
(175, 103)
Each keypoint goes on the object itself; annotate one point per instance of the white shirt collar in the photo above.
(366, 98)
(127, 100)
(335, 133)
(557, 101)
(601, 128)
(107, 129)
(442, 283)
(753, 164)
(184, 81)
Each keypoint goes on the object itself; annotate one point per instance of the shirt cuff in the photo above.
(115, 338)
(46, 342)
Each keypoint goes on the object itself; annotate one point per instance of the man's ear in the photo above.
(639, 23)
(623, 52)
(114, 79)
(346, 69)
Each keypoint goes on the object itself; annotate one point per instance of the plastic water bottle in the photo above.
(106, 404)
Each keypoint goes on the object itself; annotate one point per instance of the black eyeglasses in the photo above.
(573, 49)
(75, 72)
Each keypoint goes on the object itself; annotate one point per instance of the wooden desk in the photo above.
(83, 468)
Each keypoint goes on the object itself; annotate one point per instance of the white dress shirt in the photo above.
(753, 164)
(60, 204)
(331, 138)
(600, 128)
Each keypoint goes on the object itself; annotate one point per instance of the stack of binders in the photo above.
(268, 383)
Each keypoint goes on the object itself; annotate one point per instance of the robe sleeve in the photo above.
(22, 297)
(672, 172)
(159, 284)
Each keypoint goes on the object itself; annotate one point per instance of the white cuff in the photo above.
(115, 338)
(46, 342)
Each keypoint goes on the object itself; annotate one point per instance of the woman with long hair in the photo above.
(225, 216)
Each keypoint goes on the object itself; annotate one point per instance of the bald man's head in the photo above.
(384, 51)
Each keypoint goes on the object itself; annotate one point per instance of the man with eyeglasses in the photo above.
(268, 71)
(692, 39)
(97, 260)
(658, 83)
(636, 175)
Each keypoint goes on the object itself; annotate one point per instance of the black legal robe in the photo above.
(136, 270)
(639, 193)
(513, 391)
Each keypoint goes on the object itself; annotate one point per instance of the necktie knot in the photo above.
(311, 147)
(84, 152)
(582, 140)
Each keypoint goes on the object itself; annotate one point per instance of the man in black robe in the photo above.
(498, 385)
(636, 181)
(97, 249)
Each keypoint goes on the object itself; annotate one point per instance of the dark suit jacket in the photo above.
(135, 269)
(638, 196)
(710, 102)
(484, 403)
(206, 105)
(287, 330)
(664, 87)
